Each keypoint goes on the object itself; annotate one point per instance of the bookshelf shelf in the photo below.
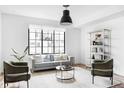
(100, 45)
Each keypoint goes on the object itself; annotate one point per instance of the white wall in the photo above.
(0, 43)
(15, 35)
(15, 32)
(117, 27)
(72, 43)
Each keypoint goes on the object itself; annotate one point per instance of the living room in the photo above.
(36, 29)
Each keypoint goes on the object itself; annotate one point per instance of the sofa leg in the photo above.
(112, 80)
(92, 79)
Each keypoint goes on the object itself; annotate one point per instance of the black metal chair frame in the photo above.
(100, 64)
(16, 68)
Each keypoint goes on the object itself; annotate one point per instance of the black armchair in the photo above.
(104, 69)
(14, 72)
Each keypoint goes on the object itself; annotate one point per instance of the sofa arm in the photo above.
(71, 59)
(33, 64)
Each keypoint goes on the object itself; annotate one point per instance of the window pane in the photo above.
(57, 37)
(61, 49)
(32, 30)
(50, 43)
(62, 43)
(50, 49)
(38, 43)
(32, 42)
(57, 43)
(45, 36)
(38, 36)
(56, 49)
(61, 37)
(50, 37)
(32, 50)
(32, 35)
(56, 32)
(38, 30)
(38, 50)
(62, 33)
(45, 49)
(45, 43)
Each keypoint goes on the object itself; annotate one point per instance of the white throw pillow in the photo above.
(64, 57)
(57, 57)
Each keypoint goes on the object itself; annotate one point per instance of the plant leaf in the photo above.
(16, 57)
(26, 49)
(14, 51)
(23, 56)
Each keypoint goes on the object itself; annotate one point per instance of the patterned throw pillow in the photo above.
(51, 57)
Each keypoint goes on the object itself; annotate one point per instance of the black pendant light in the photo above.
(66, 19)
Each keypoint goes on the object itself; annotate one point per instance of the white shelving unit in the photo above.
(100, 45)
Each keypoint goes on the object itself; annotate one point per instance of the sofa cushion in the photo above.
(37, 58)
(45, 58)
(44, 64)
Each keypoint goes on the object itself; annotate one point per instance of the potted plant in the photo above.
(18, 56)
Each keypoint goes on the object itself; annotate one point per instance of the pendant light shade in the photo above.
(66, 19)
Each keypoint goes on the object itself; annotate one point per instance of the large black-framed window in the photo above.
(42, 41)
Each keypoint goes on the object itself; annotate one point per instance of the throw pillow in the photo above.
(51, 57)
(57, 57)
(64, 57)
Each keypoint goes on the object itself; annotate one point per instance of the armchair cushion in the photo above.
(19, 63)
(17, 77)
(102, 72)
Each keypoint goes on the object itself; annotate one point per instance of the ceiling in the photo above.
(81, 14)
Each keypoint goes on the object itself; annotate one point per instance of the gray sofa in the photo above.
(44, 62)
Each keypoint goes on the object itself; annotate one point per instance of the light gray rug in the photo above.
(83, 79)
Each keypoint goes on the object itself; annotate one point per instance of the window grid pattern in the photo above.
(45, 42)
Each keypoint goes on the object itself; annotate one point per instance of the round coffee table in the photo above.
(65, 72)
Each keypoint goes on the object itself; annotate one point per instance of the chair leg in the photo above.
(4, 85)
(92, 79)
(112, 80)
(27, 84)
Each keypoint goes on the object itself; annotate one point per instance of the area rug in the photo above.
(121, 85)
(47, 79)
